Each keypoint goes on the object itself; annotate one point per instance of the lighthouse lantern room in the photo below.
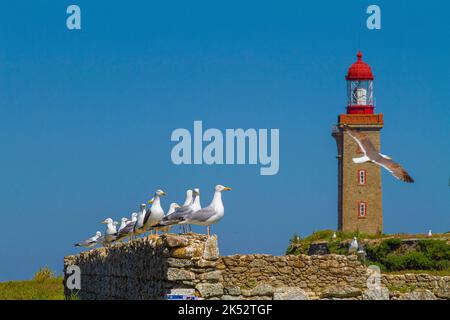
(359, 88)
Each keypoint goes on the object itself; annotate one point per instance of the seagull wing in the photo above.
(361, 139)
(126, 230)
(202, 215)
(175, 217)
(86, 243)
(179, 213)
(147, 216)
(395, 169)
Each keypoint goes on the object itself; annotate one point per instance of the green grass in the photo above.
(299, 245)
(51, 289)
(430, 255)
(44, 286)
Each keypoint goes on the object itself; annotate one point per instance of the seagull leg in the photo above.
(209, 231)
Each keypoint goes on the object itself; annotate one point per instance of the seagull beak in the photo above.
(163, 193)
(226, 188)
(150, 201)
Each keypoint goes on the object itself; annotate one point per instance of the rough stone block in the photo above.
(179, 263)
(341, 291)
(289, 293)
(232, 290)
(213, 275)
(381, 293)
(418, 294)
(208, 290)
(174, 241)
(175, 274)
(211, 250)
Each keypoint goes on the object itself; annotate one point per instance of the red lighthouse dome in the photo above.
(359, 70)
(359, 88)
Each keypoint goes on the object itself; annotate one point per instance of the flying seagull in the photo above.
(210, 214)
(371, 154)
(89, 243)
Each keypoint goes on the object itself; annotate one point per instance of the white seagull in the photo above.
(139, 225)
(210, 214)
(128, 230)
(89, 243)
(353, 246)
(430, 234)
(195, 205)
(187, 202)
(372, 155)
(166, 227)
(110, 233)
(123, 223)
(154, 215)
(191, 205)
(188, 199)
(334, 236)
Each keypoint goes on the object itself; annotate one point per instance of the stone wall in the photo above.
(152, 267)
(147, 268)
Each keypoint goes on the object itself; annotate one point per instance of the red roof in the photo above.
(359, 70)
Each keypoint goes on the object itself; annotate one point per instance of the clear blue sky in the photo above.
(86, 116)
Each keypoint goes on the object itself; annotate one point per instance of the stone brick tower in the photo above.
(359, 185)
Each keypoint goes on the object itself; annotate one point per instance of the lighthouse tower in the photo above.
(359, 185)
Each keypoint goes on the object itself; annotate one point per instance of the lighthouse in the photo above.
(359, 185)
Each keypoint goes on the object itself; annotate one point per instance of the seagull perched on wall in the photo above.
(139, 225)
(128, 230)
(192, 204)
(210, 214)
(154, 215)
(372, 155)
(89, 243)
(353, 246)
(196, 206)
(187, 202)
(123, 223)
(188, 199)
(110, 233)
(166, 227)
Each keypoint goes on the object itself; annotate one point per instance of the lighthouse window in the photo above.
(362, 210)
(361, 177)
